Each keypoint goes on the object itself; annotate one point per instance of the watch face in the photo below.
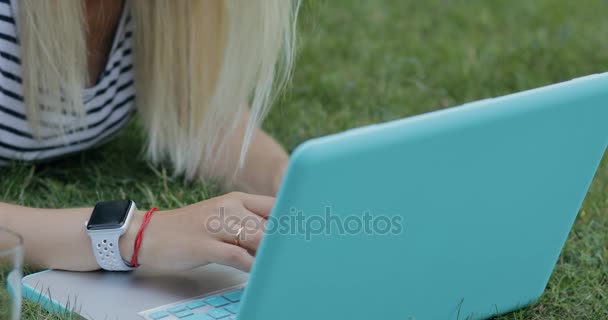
(109, 215)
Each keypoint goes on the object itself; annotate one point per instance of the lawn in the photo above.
(364, 62)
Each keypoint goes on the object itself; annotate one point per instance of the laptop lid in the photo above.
(479, 201)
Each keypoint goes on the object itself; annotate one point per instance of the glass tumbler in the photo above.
(11, 262)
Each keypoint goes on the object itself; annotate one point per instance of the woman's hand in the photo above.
(202, 233)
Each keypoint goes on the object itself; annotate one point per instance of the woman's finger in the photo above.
(232, 255)
(241, 223)
(260, 205)
(250, 239)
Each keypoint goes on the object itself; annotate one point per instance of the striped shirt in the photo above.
(108, 104)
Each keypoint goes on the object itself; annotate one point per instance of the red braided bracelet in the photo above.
(140, 237)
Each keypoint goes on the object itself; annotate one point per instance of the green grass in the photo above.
(364, 62)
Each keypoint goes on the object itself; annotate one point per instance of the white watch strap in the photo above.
(107, 251)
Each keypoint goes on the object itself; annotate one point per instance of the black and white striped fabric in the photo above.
(108, 104)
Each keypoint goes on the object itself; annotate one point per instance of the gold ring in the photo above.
(237, 238)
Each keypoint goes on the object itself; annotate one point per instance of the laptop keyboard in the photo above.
(223, 306)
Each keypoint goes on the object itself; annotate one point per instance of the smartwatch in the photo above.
(109, 221)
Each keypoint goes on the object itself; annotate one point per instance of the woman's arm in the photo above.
(264, 166)
(178, 239)
(52, 238)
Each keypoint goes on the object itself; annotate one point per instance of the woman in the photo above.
(203, 74)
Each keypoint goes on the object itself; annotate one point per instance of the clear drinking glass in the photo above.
(11, 261)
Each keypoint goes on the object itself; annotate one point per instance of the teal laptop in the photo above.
(455, 214)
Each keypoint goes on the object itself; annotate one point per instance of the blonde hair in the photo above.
(198, 65)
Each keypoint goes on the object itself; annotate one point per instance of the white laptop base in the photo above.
(120, 295)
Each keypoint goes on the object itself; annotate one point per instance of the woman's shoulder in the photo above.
(8, 21)
(8, 9)
(11, 99)
(9, 48)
